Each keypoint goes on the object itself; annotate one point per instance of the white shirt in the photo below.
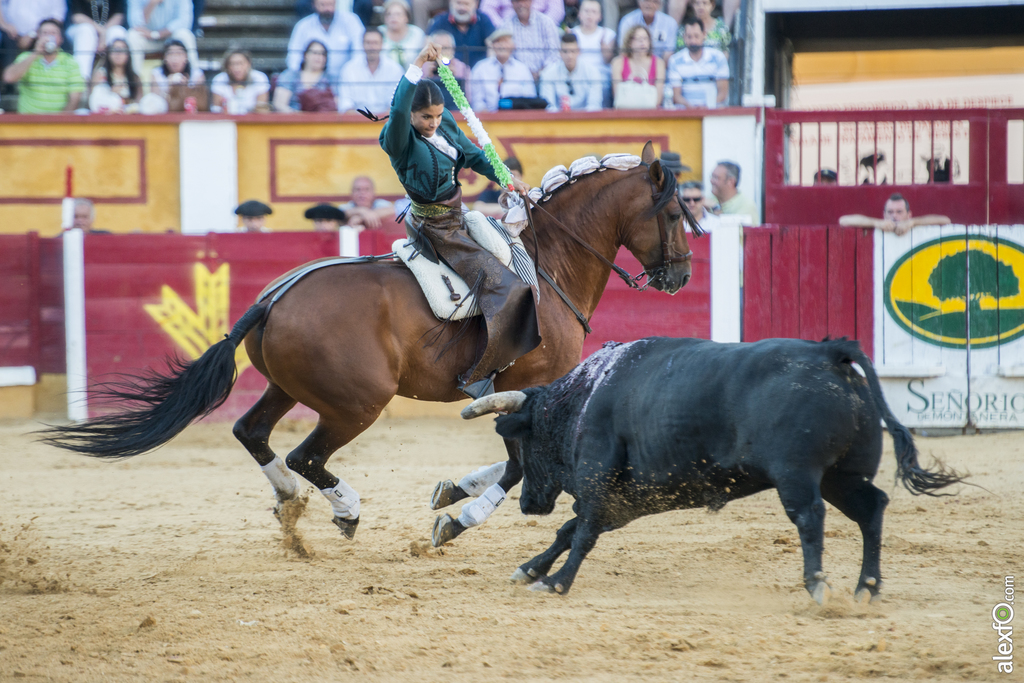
(25, 15)
(362, 89)
(242, 100)
(587, 86)
(697, 79)
(663, 30)
(591, 46)
(490, 81)
(344, 35)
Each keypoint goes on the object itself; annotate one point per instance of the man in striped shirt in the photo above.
(49, 80)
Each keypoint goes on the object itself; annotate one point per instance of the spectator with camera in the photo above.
(94, 23)
(49, 80)
(309, 88)
(240, 89)
(501, 75)
(152, 22)
(369, 79)
(570, 84)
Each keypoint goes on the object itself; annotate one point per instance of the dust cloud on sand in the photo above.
(170, 566)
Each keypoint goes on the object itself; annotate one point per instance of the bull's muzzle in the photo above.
(503, 402)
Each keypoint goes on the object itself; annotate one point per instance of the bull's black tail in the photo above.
(909, 472)
(166, 403)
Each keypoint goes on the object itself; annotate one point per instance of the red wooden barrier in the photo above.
(19, 293)
(808, 282)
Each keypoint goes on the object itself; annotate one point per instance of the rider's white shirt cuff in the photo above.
(413, 74)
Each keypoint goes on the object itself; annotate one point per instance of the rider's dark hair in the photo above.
(427, 95)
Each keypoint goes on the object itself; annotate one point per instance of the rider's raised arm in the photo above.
(397, 132)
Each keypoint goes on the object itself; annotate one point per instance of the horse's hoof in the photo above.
(347, 526)
(521, 577)
(541, 587)
(445, 529)
(444, 495)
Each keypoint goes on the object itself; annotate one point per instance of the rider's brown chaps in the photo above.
(507, 303)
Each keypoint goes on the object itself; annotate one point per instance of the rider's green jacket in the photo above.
(426, 173)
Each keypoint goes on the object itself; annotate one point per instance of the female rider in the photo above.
(427, 150)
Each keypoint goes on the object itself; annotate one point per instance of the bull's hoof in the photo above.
(521, 577)
(445, 494)
(868, 591)
(543, 586)
(445, 529)
(347, 526)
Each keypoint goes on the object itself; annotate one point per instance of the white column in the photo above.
(726, 271)
(74, 322)
(348, 241)
(208, 158)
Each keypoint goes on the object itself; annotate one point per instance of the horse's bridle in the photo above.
(669, 255)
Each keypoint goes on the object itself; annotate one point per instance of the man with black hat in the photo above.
(254, 215)
(326, 217)
(673, 163)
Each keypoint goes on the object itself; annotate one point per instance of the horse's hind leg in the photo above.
(311, 456)
(253, 430)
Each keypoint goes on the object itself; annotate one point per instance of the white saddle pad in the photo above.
(490, 234)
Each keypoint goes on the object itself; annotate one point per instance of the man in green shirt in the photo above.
(49, 80)
(724, 180)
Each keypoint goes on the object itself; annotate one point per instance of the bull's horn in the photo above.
(504, 402)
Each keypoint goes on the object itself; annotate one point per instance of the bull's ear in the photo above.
(514, 425)
(648, 154)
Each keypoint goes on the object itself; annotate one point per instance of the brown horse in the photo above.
(346, 339)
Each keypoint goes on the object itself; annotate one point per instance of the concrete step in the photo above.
(262, 23)
(252, 6)
(261, 45)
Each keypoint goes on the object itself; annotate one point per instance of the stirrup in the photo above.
(480, 388)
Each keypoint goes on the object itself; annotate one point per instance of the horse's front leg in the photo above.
(476, 512)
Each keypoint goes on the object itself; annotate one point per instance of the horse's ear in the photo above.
(648, 154)
(657, 174)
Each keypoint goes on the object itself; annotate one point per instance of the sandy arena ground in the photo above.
(170, 566)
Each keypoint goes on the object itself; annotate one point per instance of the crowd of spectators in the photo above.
(345, 55)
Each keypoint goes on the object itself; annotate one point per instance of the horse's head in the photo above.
(657, 237)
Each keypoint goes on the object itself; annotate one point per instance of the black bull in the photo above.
(664, 424)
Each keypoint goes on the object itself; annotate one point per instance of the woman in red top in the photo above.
(638, 76)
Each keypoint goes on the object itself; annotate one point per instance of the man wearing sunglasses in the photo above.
(571, 84)
(691, 195)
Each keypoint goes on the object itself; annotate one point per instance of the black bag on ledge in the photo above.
(522, 103)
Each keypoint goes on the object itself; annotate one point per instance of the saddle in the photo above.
(447, 293)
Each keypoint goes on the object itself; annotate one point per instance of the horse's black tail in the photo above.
(167, 402)
(909, 472)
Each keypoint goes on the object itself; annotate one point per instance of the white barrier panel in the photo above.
(949, 330)
(74, 322)
(208, 157)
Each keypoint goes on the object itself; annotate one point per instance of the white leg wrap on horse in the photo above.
(281, 478)
(475, 483)
(344, 500)
(477, 511)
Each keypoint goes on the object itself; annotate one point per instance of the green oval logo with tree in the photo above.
(933, 291)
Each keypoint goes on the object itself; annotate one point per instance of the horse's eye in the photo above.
(675, 216)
